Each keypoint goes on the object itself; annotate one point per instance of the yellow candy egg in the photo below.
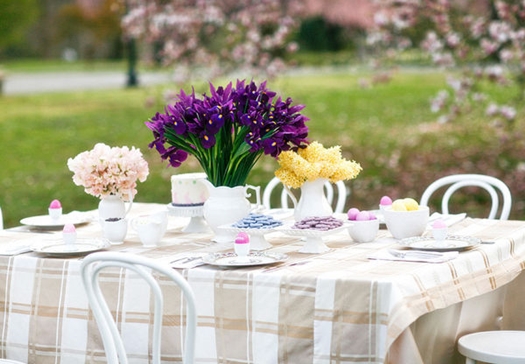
(411, 204)
(399, 205)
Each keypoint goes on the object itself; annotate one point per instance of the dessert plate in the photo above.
(253, 259)
(80, 247)
(452, 242)
(46, 222)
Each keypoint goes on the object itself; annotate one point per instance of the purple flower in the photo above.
(228, 130)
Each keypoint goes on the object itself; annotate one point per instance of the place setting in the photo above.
(420, 237)
(56, 219)
(241, 256)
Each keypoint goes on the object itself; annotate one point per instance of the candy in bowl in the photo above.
(405, 218)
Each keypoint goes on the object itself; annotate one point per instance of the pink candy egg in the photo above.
(363, 216)
(352, 213)
(69, 228)
(385, 201)
(55, 204)
(439, 224)
(242, 238)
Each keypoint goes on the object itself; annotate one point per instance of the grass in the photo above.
(388, 128)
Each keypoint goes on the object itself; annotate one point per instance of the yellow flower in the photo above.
(312, 162)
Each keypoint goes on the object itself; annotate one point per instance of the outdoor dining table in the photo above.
(339, 306)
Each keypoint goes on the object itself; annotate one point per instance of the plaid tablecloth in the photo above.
(337, 307)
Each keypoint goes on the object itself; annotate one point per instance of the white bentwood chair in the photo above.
(275, 183)
(492, 185)
(499, 346)
(90, 270)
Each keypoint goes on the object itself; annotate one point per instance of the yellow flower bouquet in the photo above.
(313, 162)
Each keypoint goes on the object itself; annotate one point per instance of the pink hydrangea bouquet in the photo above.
(106, 170)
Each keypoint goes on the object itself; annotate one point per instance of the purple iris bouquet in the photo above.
(229, 130)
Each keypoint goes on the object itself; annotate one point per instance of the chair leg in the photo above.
(470, 361)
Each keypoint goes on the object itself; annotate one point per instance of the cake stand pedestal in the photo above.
(197, 223)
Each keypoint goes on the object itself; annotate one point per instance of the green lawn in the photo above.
(388, 128)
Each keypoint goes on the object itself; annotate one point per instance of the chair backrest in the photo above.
(492, 185)
(275, 184)
(91, 267)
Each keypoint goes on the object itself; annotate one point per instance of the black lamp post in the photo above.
(131, 46)
(131, 50)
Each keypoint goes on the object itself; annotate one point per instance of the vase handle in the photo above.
(290, 193)
(257, 190)
(130, 203)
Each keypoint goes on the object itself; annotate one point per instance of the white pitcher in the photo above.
(151, 228)
(227, 205)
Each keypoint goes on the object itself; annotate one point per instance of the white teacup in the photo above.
(115, 230)
(151, 228)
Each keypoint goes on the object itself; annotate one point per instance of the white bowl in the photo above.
(363, 231)
(405, 224)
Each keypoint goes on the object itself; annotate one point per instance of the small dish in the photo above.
(80, 247)
(46, 222)
(452, 242)
(255, 258)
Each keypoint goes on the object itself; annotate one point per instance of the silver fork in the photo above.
(301, 262)
(414, 254)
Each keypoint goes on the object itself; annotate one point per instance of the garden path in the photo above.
(32, 83)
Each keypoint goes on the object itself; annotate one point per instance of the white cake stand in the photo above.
(314, 243)
(197, 223)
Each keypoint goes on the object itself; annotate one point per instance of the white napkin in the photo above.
(414, 256)
(14, 248)
(448, 219)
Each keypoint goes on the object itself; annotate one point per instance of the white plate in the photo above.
(254, 259)
(46, 222)
(80, 247)
(452, 242)
(310, 233)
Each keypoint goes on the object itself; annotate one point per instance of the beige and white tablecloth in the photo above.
(337, 307)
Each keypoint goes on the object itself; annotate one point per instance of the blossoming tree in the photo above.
(485, 40)
(216, 36)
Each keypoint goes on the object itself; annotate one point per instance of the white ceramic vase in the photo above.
(225, 206)
(112, 206)
(312, 201)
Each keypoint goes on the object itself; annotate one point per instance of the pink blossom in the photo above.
(508, 112)
(105, 171)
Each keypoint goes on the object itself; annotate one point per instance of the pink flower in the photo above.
(105, 171)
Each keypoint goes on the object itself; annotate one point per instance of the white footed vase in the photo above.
(312, 201)
(225, 206)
